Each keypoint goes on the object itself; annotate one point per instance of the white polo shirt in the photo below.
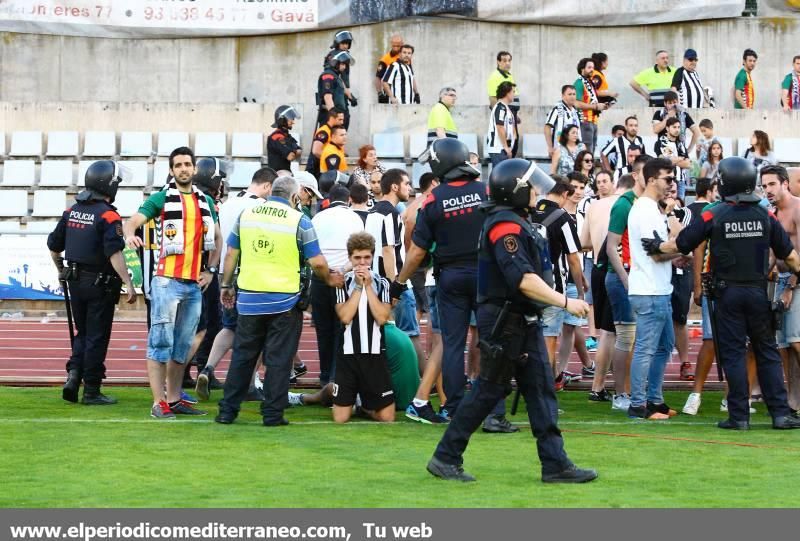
(334, 226)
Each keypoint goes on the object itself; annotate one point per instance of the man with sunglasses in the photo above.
(670, 147)
(649, 291)
(741, 235)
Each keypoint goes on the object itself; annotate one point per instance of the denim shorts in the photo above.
(405, 314)
(569, 319)
(553, 318)
(588, 264)
(174, 313)
(790, 333)
(708, 334)
(433, 306)
(618, 297)
(229, 317)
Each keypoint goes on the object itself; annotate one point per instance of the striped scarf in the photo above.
(588, 87)
(172, 220)
(794, 99)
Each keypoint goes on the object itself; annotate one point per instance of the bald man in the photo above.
(396, 43)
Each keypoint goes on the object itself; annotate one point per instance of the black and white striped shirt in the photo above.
(400, 78)
(363, 335)
(388, 229)
(619, 149)
(560, 117)
(690, 89)
(502, 115)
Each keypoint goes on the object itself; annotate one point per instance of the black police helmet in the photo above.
(283, 114)
(342, 36)
(208, 176)
(102, 179)
(329, 178)
(341, 56)
(737, 180)
(511, 182)
(449, 160)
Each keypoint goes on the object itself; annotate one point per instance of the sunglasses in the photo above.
(588, 160)
(668, 180)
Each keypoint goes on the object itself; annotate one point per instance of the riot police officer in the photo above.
(741, 234)
(514, 284)
(90, 235)
(331, 89)
(450, 219)
(282, 147)
(342, 41)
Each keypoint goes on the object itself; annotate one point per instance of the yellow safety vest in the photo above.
(270, 261)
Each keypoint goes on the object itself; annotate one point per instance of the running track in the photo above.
(34, 353)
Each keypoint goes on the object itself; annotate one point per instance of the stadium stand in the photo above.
(128, 202)
(99, 144)
(787, 149)
(136, 144)
(243, 173)
(417, 143)
(389, 145)
(49, 203)
(534, 146)
(14, 203)
(210, 144)
(160, 173)
(471, 140)
(56, 173)
(19, 173)
(26, 144)
(62, 144)
(170, 140)
(247, 145)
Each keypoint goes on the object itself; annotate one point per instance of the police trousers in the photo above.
(277, 336)
(93, 314)
(535, 380)
(328, 327)
(743, 312)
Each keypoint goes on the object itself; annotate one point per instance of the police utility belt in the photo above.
(504, 350)
(75, 271)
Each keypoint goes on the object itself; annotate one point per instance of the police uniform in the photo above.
(740, 238)
(273, 239)
(330, 82)
(741, 234)
(332, 159)
(89, 233)
(280, 144)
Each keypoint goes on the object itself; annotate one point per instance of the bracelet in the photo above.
(358, 287)
(222, 286)
(566, 300)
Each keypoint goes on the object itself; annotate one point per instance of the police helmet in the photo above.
(737, 180)
(329, 178)
(511, 182)
(342, 36)
(283, 114)
(449, 160)
(103, 178)
(340, 56)
(209, 173)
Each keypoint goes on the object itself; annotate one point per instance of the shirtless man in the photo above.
(775, 181)
(794, 181)
(593, 235)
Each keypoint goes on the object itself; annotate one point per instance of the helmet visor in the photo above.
(122, 174)
(224, 168)
(540, 181)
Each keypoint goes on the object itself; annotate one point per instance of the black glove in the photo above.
(653, 246)
(353, 101)
(416, 98)
(396, 289)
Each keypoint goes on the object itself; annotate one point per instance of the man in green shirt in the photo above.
(652, 83)
(440, 121)
(744, 93)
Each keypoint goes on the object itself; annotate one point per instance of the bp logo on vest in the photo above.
(263, 246)
(170, 230)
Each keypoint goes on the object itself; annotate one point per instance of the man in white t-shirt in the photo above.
(649, 291)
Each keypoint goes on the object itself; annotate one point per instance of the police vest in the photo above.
(84, 239)
(492, 286)
(279, 143)
(740, 243)
(459, 221)
(332, 150)
(332, 80)
(269, 261)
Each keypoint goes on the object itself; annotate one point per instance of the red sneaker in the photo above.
(686, 372)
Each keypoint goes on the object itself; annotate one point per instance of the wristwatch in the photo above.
(212, 270)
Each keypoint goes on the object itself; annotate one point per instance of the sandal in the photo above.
(686, 372)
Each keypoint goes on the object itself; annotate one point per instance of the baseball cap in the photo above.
(690, 54)
(307, 180)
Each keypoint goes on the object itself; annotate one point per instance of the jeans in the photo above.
(655, 339)
(277, 336)
(328, 327)
(620, 302)
(498, 158)
(174, 313)
(405, 314)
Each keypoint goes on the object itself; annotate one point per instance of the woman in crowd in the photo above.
(714, 156)
(760, 151)
(367, 165)
(565, 155)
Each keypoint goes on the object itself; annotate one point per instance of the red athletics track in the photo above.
(34, 353)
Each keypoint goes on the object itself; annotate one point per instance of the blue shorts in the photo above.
(553, 320)
(174, 313)
(229, 317)
(433, 306)
(569, 319)
(618, 297)
(405, 314)
(588, 263)
(790, 333)
(707, 332)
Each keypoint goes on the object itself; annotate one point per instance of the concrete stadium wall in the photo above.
(276, 69)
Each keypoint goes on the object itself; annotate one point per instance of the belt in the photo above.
(182, 280)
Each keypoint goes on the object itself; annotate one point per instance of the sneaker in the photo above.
(591, 344)
(570, 377)
(498, 424)
(203, 389)
(182, 407)
(661, 408)
(756, 399)
(558, 383)
(186, 397)
(621, 402)
(692, 404)
(600, 396)
(188, 383)
(424, 414)
(444, 413)
(573, 474)
(643, 412)
(588, 372)
(161, 411)
(296, 399)
(723, 407)
(686, 372)
(254, 395)
(300, 370)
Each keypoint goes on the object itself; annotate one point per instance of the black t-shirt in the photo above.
(661, 114)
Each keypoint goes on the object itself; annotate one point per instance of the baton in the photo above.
(515, 402)
(65, 287)
(712, 312)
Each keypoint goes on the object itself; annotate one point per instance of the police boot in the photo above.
(93, 397)
(70, 390)
(786, 422)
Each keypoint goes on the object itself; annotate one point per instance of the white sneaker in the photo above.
(724, 406)
(296, 399)
(621, 402)
(692, 404)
